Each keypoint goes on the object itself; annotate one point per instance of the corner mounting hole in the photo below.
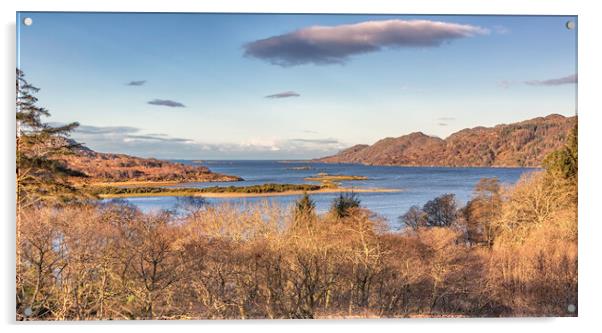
(570, 25)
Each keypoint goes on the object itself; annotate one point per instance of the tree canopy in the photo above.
(40, 177)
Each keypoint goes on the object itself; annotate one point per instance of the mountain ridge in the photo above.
(520, 144)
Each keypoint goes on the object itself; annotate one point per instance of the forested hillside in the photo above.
(523, 144)
(107, 167)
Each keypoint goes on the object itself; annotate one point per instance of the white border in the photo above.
(589, 136)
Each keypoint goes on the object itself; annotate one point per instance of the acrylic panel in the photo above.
(295, 166)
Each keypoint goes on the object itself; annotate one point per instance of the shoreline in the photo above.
(249, 195)
(137, 183)
(429, 166)
(150, 183)
(316, 161)
(326, 178)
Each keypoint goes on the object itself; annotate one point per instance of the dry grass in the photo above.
(259, 261)
(251, 195)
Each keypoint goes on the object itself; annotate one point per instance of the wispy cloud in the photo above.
(150, 137)
(286, 146)
(570, 79)
(322, 45)
(166, 102)
(444, 121)
(284, 95)
(135, 141)
(118, 133)
(136, 83)
(86, 129)
(505, 84)
(317, 141)
(501, 30)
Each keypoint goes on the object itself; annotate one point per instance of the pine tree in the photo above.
(305, 209)
(344, 203)
(563, 162)
(41, 178)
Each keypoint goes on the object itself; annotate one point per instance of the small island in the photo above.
(324, 177)
(300, 168)
(264, 190)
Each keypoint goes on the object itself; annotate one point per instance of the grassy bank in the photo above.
(226, 191)
(153, 183)
(334, 178)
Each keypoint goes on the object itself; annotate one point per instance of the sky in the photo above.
(265, 86)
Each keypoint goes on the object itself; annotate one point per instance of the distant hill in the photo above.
(106, 167)
(522, 144)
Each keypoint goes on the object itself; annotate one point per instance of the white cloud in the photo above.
(133, 141)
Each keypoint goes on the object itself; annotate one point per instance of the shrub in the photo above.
(344, 204)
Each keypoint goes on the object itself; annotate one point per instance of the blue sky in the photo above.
(227, 86)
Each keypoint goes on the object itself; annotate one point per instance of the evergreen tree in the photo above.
(344, 203)
(305, 209)
(40, 176)
(563, 162)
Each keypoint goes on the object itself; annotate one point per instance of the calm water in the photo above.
(418, 184)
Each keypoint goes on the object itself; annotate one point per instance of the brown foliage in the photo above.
(520, 144)
(481, 213)
(263, 261)
(105, 167)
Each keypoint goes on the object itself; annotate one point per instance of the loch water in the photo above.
(417, 185)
